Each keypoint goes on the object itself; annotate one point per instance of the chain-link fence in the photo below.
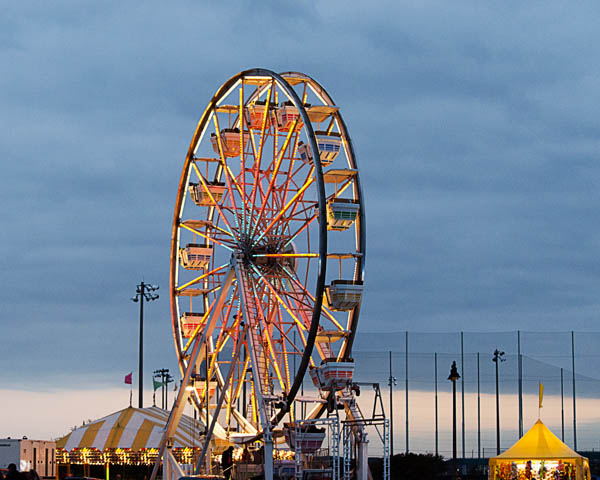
(420, 364)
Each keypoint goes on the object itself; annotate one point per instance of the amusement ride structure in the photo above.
(267, 272)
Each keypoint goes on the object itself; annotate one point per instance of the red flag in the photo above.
(128, 378)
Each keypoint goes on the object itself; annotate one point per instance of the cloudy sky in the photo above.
(475, 125)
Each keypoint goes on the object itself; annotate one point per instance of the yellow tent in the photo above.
(539, 455)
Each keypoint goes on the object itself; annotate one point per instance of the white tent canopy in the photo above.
(132, 428)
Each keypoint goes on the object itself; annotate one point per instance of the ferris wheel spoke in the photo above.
(225, 167)
(300, 230)
(220, 401)
(212, 198)
(280, 356)
(268, 321)
(280, 200)
(207, 237)
(197, 330)
(292, 174)
(240, 190)
(302, 308)
(283, 225)
(283, 210)
(284, 351)
(276, 168)
(209, 226)
(296, 216)
(225, 333)
(234, 396)
(242, 129)
(286, 255)
(324, 309)
(257, 159)
(201, 277)
(279, 299)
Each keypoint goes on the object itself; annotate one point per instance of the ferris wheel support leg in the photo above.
(250, 314)
(206, 449)
(183, 394)
(171, 466)
(268, 439)
(363, 457)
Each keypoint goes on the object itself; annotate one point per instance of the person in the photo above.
(227, 462)
(246, 455)
(33, 475)
(13, 474)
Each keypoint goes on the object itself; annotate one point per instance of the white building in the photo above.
(38, 455)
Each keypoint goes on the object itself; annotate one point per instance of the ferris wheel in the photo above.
(267, 253)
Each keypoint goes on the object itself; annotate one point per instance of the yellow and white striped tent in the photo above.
(131, 428)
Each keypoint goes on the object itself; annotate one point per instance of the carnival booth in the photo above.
(539, 455)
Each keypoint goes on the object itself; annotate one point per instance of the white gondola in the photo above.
(285, 115)
(230, 140)
(329, 148)
(341, 213)
(200, 195)
(195, 256)
(332, 375)
(255, 113)
(189, 322)
(305, 438)
(344, 295)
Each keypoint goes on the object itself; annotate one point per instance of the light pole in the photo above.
(391, 384)
(453, 377)
(143, 292)
(498, 357)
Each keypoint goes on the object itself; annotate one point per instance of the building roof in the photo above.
(538, 443)
(134, 428)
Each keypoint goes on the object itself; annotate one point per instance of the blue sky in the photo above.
(475, 125)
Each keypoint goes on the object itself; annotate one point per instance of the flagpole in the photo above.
(129, 382)
(541, 399)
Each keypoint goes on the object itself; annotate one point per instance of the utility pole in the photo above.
(498, 357)
(406, 385)
(462, 391)
(168, 379)
(435, 382)
(562, 407)
(391, 384)
(165, 378)
(478, 410)
(143, 292)
(574, 396)
(520, 372)
(453, 377)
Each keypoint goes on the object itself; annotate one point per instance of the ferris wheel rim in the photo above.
(320, 284)
(359, 229)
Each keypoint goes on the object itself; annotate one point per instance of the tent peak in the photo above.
(539, 442)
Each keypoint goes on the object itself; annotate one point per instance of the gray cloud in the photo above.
(475, 126)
